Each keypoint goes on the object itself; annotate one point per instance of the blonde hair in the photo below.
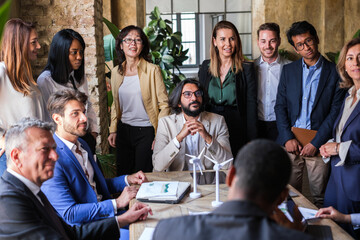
(346, 80)
(237, 57)
(15, 54)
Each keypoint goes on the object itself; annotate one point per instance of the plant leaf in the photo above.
(109, 47)
(162, 24)
(112, 27)
(167, 59)
(156, 12)
(357, 34)
(4, 15)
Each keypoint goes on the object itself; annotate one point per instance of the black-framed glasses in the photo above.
(308, 42)
(188, 94)
(130, 40)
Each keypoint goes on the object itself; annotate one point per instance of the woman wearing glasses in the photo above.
(231, 85)
(65, 69)
(19, 95)
(140, 99)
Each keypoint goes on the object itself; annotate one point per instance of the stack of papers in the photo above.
(158, 189)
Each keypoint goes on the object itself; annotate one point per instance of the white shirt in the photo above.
(268, 81)
(131, 103)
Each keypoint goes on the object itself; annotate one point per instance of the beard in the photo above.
(76, 131)
(192, 113)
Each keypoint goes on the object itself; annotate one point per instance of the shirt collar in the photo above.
(317, 65)
(35, 189)
(350, 91)
(69, 144)
(277, 60)
(184, 120)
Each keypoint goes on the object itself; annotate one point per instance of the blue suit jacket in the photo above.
(70, 192)
(326, 106)
(347, 177)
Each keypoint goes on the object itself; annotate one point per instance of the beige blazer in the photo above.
(153, 93)
(167, 156)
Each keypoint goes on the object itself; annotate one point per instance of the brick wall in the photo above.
(85, 17)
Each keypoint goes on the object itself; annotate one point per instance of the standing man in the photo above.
(78, 191)
(268, 68)
(189, 130)
(308, 97)
(25, 212)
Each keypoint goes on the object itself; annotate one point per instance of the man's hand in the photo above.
(293, 146)
(139, 211)
(333, 214)
(111, 139)
(196, 126)
(183, 133)
(309, 150)
(127, 194)
(328, 149)
(279, 217)
(136, 178)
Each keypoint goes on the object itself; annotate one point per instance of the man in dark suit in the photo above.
(308, 97)
(257, 185)
(25, 212)
(78, 191)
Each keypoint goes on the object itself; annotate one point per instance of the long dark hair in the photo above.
(58, 61)
(145, 42)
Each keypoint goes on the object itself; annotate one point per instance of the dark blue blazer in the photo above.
(22, 216)
(70, 192)
(326, 106)
(347, 177)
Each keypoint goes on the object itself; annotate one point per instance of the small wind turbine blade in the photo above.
(200, 168)
(212, 160)
(201, 152)
(223, 163)
(212, 156)
(191, 156)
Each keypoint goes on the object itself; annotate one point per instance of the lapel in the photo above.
(205, 122)
(352, 116)
(324, 76)
(70, 158)
(336, 123)
(297, 75)
(16, 183)
(179, 123)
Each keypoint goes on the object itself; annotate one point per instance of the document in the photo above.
(147, 234)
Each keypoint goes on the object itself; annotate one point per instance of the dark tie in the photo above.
(52, 214)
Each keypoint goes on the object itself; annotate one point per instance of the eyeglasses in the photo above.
(130, 40)
(308, 42)
(188, 94)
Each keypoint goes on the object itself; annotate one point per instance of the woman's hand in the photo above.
(111, 139)
(333, 214)
(329, 149)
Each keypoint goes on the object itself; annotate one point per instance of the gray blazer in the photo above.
(232, 220)
(167, 156)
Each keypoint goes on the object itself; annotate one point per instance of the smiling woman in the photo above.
(19, 95)
(140, 99)
(66, 69)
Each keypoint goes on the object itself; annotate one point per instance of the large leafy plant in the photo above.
(166, 48)
(4, 14)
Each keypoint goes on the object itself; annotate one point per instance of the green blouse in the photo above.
(225, 95)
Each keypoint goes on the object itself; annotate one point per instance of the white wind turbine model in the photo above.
(195, 161)
(217, 167)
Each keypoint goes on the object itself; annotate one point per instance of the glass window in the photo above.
(212, 6)
(163, 5)
(185, 6)
(238, 5)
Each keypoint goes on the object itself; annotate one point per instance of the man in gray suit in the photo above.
(25, 212)
(257, 185)
(189, 130)
(268, 68)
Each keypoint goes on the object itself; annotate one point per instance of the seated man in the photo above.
(189, 130)
(25, 212)
(78, 191)
(257, 185)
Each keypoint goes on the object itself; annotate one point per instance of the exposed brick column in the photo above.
(84, 17)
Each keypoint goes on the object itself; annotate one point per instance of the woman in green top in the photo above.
(231, 85)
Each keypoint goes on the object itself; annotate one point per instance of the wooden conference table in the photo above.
(203, 204)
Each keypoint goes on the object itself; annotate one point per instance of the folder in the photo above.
(304, 136)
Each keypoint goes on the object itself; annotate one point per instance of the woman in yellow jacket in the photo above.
(140, 99)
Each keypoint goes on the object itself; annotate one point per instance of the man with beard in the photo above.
(268, 68)
(189, 130)
(78, 191)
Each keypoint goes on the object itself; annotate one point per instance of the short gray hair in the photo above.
(16, 136)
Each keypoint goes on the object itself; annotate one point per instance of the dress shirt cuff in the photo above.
(176, 142)
(126, 181)
(343, 150)
(355, 219)
(326, 160)
(114, 206)
(117, 223)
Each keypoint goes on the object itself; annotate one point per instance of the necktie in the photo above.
(52, 214)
